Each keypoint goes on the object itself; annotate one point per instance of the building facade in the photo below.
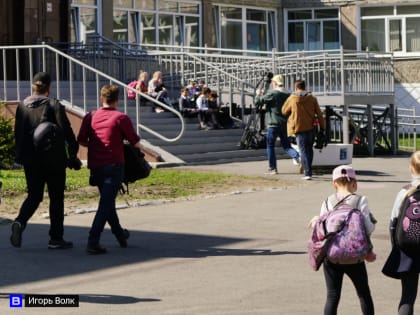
(286, 25)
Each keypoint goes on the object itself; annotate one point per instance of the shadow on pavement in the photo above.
(34, 261)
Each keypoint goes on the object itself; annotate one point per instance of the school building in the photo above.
(240, 25)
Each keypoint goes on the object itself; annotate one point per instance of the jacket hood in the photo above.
(304, 93)
(35, 100)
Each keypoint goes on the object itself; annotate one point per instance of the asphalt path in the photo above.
(234, 253)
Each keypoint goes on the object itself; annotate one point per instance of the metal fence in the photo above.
(408, 122)
(235, 73)
(75, 83)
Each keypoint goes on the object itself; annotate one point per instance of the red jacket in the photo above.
(103, 133)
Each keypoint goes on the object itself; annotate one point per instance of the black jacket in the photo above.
(29, 114)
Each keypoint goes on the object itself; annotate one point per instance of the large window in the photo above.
(391, 28)
(244, 28)
(164, 22)
(312, 29)
(84, 20)
(169, 22)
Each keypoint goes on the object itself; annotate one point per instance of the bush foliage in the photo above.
(7, 140)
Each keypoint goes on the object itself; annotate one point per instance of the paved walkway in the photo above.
(232, 254)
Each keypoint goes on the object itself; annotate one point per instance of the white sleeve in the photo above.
(323, 207)
(199, 102)
(364, 208)
(397, 203)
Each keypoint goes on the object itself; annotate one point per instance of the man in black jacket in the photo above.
(43, 165)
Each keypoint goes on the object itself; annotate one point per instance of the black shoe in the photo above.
(122, 239)
(96, 249)
(59, 244)
(16, 237)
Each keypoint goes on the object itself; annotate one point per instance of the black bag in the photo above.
(135, 167)
(407, 232)
(48, 138)
(45, 136)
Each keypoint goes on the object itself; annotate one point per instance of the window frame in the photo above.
(304, 24)
(269, 15)
(387, 19)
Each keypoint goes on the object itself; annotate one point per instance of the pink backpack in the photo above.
(351, 244)
(339, 235)
(131, 94)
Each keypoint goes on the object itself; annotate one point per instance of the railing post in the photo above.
(343, 77)
(415, 130)
(273, 60)
(346, 138)
(394, 128)
(371, 145)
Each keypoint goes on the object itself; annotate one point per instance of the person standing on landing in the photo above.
(276, 122)
(302, 108)
(103, 133)
(399, 265)
(43, 168)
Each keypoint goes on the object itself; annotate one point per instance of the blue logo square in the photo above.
(16, 300)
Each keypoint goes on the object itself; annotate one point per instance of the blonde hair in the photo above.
(415, 162)
(156, 75)
(142, 75)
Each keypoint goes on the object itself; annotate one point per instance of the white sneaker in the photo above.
(296, 161)
(307, 177)
(271, 172)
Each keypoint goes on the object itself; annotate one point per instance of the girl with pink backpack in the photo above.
(345, 184)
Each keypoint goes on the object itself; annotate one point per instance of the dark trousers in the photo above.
(305, 142)
(37, 176)
(108, 179)
(357, 273)
(409, 284)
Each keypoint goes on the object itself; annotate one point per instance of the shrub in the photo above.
(7, 140)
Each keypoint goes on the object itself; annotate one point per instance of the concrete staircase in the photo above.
(195, 147)
(198, 146)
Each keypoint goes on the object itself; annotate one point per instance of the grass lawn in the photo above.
(163, 184)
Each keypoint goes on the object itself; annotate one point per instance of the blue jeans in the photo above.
(108, 179)
(272, 134)
(305, 142)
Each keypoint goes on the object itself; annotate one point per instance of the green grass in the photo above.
(162, 183)
(405, 142)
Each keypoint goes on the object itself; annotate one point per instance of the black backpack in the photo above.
(48, 136)
(407, 232)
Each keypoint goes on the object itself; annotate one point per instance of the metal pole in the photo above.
(371, 145)
(394, 128)
(346, 137)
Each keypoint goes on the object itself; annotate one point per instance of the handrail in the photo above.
(98, 74)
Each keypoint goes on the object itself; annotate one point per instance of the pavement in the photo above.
(243, 252)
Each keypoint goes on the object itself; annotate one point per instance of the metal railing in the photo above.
(233, 73)
(408, 123)
(73, 80)
(330, 72)
(371, 128)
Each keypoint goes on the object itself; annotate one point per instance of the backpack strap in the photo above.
(333, 198)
